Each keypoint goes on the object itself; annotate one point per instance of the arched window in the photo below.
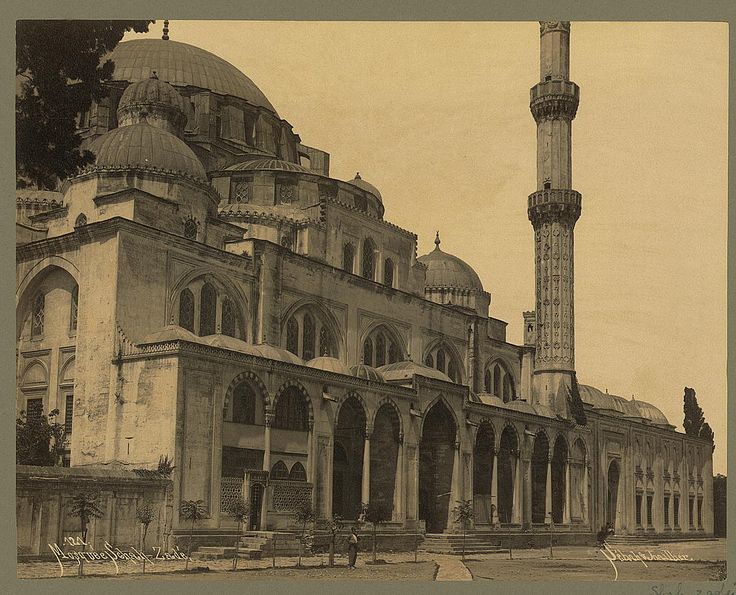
(190, 229)
(186, 310)
(368, 352)
(297, 473)
(207, 310)
(279, 471)
(497, 380)
(429, 361)
(441, 359)
(393, 352)
(452, 370)
(291, 411)
(388, 272)
(348, 257)
(380, 350)
(74, 310)
(369, 259)
(292, 336)
(244, 404)
(308, 339)
(506, 389)
(488, 382)
(326, 344)
(37, 319)
(81, 220)
(229, 318)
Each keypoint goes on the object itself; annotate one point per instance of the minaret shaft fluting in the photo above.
(553, 210)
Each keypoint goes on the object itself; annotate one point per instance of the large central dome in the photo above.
(181, 64)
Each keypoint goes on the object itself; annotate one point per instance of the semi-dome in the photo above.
(446, 270)
(183, 65)
(268, 165)
(329, 364)
(406, 370)
(367, 372)
(363, 185)
(142, 146)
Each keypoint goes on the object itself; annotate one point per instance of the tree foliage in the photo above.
(464, 514)
(58, 75)
(303, 514)
(693, 413)
(377, 513)
(192, 510)
(39, 440)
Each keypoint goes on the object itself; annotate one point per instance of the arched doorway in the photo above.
(384, 455)
(612, 494)
(507, 453)
(483, 473)
(348, 460)
(559, 461)
(436, 453)
(540, 458)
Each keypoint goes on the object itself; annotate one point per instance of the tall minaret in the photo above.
(553, 210)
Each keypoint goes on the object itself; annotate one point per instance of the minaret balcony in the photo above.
(554, 99)
(555, 203)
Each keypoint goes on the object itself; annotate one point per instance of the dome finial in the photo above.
(154, 75)
(357, 176)
(437, 241)
(165, 36)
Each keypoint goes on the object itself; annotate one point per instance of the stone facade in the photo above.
(271, 332)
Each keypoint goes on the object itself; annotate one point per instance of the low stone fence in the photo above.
(44, 498)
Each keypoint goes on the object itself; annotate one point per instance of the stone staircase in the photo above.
(253, 545)
(451, 543)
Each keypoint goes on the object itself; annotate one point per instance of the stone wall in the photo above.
(44, 498)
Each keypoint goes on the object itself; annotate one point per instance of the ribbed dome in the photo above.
(142, 146)
(151, 91)
(183, 65)
(600, 400)
(446, 270)
(363, 185)
(650, 412)
(367, 372)
(406, 370)
(329, 364)
(269, 165)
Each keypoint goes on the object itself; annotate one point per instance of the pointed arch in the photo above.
(394, 345)
(389, 402)
(499, 379)
(439, 399)
(323, 317)
(261, 391)
(295, 388)
(446, 359)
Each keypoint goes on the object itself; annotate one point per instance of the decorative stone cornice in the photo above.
(552, 100)
(549, 26)
(554, 205)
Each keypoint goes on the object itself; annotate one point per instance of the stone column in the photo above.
(548, 492)
(268, 420)
(566, 513)
(586, 504)
(494, 489)
(366, 485)
(398, 513)
(310, 453)
(455, 493)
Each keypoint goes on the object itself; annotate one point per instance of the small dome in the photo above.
(141, 146)
(600, 400)
(269, 165)
(650, 412)
(276, 353)
(489, 399)
(329, 364)
(171, 332)
(363, 185)
(367, 372)
(446, 270)
(227, 342)
(152, 91)
(519, 405)
(406, 370)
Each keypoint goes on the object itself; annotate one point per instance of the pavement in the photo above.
(449, 568)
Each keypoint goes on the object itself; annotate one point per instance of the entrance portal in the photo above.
(612, 499)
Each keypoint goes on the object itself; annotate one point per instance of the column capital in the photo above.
(268, 417)
(457, 445)
(368, 432)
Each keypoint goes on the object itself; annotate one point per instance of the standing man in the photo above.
(352, 547)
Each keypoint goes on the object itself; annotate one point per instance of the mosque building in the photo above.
(205, 291)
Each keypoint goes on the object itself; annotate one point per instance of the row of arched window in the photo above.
(368, 262)
(444, 361)
(379, 350)
(290, 410)
(308, 337)
(498, 381)
(198, 311)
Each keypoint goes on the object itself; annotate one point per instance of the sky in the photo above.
(436, 116)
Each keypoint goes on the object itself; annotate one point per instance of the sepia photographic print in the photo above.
(349, 301)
